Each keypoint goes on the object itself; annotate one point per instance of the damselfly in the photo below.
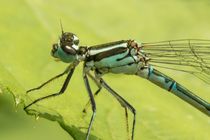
(132, 58)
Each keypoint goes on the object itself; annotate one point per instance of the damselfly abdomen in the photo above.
(131, 58)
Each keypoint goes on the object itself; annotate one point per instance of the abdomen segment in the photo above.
(172, 86)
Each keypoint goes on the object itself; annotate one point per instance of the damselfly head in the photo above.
(66, 49)
(69, 39)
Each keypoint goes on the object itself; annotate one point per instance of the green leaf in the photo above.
(30, 28)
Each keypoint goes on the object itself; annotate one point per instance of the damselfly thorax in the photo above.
(124, 56)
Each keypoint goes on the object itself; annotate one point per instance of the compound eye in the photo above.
(67, 39)
(76, 42)
(54, 48)
(69, 50)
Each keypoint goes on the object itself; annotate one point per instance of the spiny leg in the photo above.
(89, 102)
(65, 84)
(95, 94)
(126, 119)
(50, 80)
(87, 85)
(123, 102)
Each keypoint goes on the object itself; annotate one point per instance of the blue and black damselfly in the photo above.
(131, 58)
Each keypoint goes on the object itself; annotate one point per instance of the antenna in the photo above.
(61, 27)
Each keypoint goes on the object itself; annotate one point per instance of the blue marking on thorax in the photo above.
(115, 64)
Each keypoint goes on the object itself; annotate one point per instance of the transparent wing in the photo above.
(187, 55)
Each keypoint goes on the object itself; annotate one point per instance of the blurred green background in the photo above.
(27, 30)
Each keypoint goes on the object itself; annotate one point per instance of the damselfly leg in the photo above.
(87, 85)
(62, 90)
(95, 94)
(122, 101)
(50, 80)
(126, 121)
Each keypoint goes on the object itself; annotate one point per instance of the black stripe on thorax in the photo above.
(108, 53)
(106, 45)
